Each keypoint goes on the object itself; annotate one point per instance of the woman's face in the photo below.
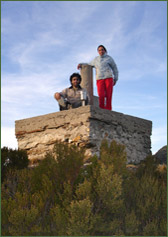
(101, 51)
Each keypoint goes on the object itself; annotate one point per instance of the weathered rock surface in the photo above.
(85, 126)
(161, 155)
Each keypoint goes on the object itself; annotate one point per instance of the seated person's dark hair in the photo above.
(75, 75)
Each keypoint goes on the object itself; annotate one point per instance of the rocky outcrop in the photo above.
(161, 155)
(85, 126)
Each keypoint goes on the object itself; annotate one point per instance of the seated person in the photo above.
(71, 97)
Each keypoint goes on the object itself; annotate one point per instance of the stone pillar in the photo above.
(87, 80)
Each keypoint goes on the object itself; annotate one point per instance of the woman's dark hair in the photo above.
(75, 75)
(102, 47)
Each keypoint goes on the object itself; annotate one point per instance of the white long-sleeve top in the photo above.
(105, 67)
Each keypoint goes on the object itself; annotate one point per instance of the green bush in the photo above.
(64, 197)
(12, 159)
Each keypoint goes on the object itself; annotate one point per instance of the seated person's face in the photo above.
(75, 81)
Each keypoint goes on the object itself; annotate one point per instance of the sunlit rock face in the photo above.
(86, 127)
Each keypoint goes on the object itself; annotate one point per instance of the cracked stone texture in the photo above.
(85, 126)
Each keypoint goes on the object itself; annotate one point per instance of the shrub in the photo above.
(64, 197)
(12, 159)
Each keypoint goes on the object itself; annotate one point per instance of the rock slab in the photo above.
(161, 155)
(86, 127)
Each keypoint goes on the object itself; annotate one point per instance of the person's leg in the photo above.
(109, 91)
(101, 92)
(61, 101)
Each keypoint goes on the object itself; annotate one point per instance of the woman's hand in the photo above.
(79, 66)
(114, 82)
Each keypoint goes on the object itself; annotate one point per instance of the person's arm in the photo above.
(63, 98)
(91, 63)
(63, 93)
(114, 69)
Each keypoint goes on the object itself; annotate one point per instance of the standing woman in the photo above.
(106, 76)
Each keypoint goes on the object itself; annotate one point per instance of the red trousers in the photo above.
(105, 90)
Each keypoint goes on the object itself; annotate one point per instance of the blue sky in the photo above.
(43, 41)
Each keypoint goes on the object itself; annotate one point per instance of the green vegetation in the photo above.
(12, 159)
(64, 197)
